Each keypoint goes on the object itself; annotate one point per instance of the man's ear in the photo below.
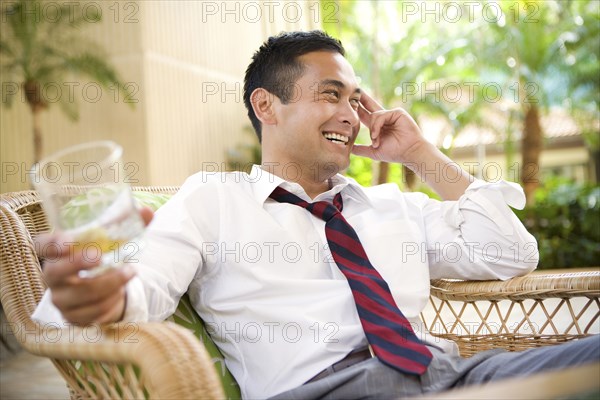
(262, 104)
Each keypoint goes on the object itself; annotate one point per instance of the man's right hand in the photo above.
(83, 300)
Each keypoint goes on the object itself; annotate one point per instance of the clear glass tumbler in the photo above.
(85, 194)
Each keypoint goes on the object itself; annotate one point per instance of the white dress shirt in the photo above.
(260, 275)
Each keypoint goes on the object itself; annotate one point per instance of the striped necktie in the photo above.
(388, 331)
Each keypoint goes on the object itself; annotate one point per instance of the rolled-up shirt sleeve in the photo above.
(479, 236)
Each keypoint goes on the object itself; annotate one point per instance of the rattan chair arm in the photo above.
(14, 200)
(156, 360)
(537, 285)
(172, 362)
(156, 189)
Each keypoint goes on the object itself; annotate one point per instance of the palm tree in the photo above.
(584, 88)
(385, 65)
(41, 48)
(532, 51)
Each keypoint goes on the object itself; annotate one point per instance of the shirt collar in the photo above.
(263, 184)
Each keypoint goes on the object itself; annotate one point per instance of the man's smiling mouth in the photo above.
(336, 138)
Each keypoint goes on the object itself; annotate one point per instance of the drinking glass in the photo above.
(85, 194)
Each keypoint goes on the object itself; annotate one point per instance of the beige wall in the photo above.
(180, 55)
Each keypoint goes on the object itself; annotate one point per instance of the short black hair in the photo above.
(275, 66)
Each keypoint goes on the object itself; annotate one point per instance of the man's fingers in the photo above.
(377, 121)
(364, 115)
(369, 103)
(96, 289)
(363, 151)
(368, 119)
(99, 312)
(52, 245)
(90, 291)
(59, 270)
(147, 215)
(61, 260)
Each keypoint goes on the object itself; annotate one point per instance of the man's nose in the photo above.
(347, 114)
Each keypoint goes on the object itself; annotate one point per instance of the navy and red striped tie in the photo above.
(388, 331)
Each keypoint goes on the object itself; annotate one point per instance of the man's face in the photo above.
(317, 128)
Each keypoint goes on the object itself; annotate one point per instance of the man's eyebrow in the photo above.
(338, 84)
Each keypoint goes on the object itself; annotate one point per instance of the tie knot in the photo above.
(320, 209)
(323, 210)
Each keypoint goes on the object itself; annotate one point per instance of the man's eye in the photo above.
(355, 102)
(332, 93)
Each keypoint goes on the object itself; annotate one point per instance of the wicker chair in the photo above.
(164, 360)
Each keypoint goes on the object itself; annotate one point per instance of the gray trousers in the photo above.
(372, 379)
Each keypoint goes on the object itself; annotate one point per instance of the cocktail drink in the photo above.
(86, 195)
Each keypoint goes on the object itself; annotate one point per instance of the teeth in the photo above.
(336, 137)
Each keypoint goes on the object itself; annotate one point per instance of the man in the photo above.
(266, 276)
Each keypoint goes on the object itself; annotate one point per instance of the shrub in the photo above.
(566, 222)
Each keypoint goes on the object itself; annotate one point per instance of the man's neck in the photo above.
(312, 187)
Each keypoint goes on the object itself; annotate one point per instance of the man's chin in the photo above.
(333, 167)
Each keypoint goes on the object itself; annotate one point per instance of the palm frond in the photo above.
(39, 51)
(69, 106)
(6, 49)
(99, 70)
(72, 16)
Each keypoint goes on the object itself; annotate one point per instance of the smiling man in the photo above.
(308, 282)
(310, 114)
(321, 144)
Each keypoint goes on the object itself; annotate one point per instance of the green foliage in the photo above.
(186, 316)
(566, 223)
(361, 170)
(244, 155)
(542, 52)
